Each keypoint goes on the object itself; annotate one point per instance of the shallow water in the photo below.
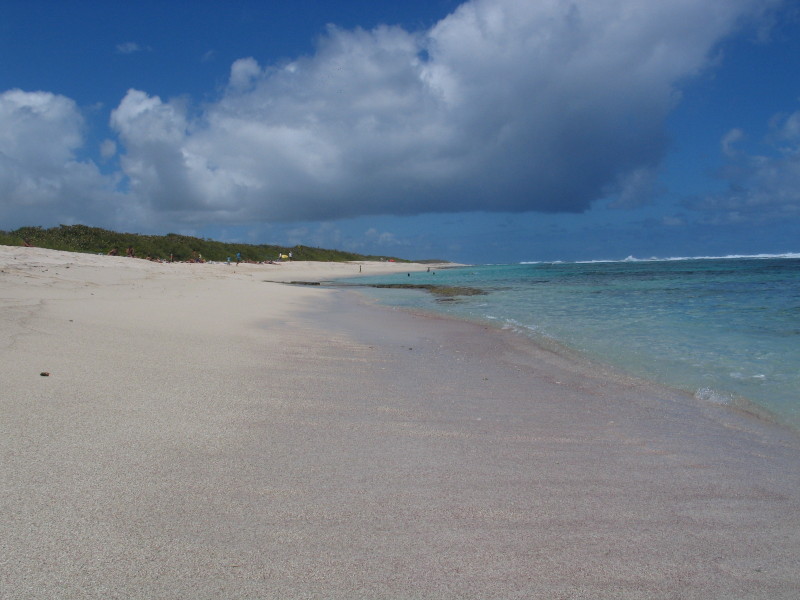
(724, 329)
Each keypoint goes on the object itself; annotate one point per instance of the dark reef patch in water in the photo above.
(443, 291)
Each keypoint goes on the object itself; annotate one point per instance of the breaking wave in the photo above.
(787, 255)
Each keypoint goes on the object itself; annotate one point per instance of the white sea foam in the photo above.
(708, 394)
(791, 255)
(737, 375)
(515, 325)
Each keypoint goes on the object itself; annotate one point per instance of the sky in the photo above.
(485, 131)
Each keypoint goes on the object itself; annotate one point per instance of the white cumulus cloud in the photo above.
(504, 105)
(40, 175)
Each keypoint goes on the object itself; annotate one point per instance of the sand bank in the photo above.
(204, 434)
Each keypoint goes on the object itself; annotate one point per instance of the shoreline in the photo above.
(588, 363)
(205, 434)
(580, 363)
(700, 392)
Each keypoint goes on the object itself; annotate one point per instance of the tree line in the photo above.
(82, 238)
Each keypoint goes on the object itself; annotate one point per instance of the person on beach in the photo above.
(114, 251)
(130, 252)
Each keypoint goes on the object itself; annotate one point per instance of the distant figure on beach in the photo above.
(238, 257)
(359, 268)
(290, 256)
(26, 243)
(114, 251)
(130, 252)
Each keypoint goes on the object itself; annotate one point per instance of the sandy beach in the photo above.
(205, 431)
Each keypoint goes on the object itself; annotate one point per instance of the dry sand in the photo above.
(204, 434)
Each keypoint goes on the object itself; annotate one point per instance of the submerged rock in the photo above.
(446, 291)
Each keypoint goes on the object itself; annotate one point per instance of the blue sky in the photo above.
(482, 131)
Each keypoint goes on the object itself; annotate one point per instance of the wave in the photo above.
(786, 255)
(707, 394)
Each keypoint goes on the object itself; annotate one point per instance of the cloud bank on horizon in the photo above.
(504, 105)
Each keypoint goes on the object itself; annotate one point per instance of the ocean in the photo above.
(726, 330)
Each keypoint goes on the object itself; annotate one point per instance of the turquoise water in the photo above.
(724, 329)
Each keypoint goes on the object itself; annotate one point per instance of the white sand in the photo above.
(204, 434)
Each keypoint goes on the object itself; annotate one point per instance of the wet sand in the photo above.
(205, 434)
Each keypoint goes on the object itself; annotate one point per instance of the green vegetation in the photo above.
(81, 238)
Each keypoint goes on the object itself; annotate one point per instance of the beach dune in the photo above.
(203, 431)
